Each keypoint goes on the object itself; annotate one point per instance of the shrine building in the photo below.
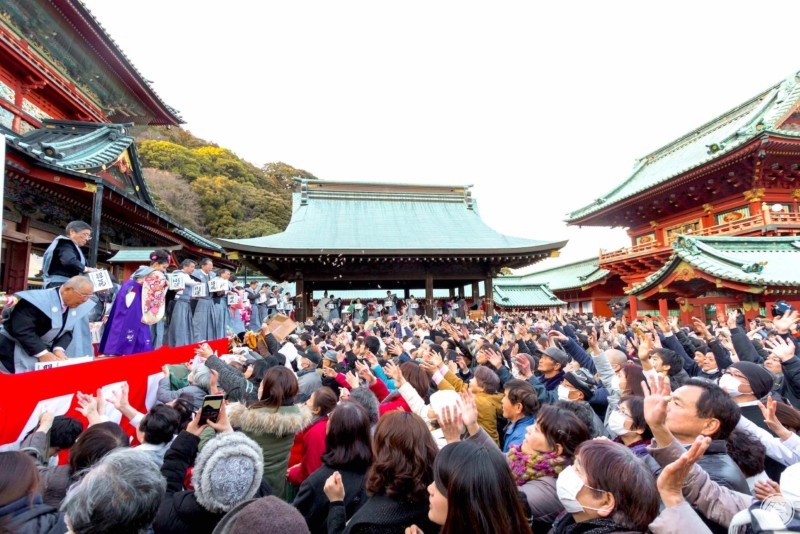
(356, 235)
(68, 98)
(713, 215)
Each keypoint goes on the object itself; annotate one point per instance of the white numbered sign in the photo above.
(177, 281)
(101, 280)
(379, 307)
(217, 284)
(331, 306)
(233, 299)
(414, 306)
(199, 291)
(359, 306)
(388, 303)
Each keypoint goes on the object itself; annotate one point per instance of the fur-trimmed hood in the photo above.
(259, 421)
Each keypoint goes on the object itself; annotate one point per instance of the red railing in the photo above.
(742, 226)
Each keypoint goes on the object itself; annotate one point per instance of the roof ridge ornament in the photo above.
(304, 192)
(468, 198)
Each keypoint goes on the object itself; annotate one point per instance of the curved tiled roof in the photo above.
(711, 141)
(755, 261)
(572, 275)
(529, 296)
(353, 217)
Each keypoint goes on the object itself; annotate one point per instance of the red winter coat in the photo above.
(382, 392)
(307, 451)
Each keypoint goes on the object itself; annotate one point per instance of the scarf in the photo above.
(552, 383)
(601, 525)
(527, 467)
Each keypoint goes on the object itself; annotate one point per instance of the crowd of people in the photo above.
(521, 422)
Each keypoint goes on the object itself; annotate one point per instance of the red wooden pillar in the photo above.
(663, 308)
(634, 307)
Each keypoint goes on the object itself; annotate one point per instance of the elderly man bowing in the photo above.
(39, 326)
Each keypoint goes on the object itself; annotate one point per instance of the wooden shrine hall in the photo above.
(354, 235)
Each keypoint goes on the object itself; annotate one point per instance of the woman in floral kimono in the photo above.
(139, 304)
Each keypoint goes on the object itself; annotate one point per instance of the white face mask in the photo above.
(616, 423)
(568, 484)
(730, 385)
(563, 393)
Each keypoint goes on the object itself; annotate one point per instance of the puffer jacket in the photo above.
(274, 430)
(25, 517)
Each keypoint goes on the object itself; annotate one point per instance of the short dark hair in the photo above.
(206, 261)
(746, 451)
(348, 443)
(187, 262)
(671, 358)
(65, 431)
(160, 424)
(636, 408)
(612, 467)
(77, 226)
(367, 399)
(280, 388)
(522, 392)
(404, 454)
(94, 443)
(715, 403)
(324, 399)
(561, 427)
(373, 344)
(487, 379)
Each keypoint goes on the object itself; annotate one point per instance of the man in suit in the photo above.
(39, 326)
(64, 259)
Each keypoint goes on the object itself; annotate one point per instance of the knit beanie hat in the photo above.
(761, 380)
(227, 471)
(266, 515)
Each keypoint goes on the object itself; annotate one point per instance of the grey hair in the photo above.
(78, 282)
(121, 494)
(366, 398)
(201, 377)
(77, 226)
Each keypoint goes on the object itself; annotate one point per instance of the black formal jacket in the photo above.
(27, 324)
(66, 261)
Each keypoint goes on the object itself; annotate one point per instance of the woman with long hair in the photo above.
(21, 507)
(469, 473)
(627, 423)
(397, 481)
(272, 422)
(136, 321)
(348, 451)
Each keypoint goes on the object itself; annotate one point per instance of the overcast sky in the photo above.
(543, 106)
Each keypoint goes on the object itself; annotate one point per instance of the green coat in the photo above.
(274, 430)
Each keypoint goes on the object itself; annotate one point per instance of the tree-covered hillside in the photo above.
(210, 189)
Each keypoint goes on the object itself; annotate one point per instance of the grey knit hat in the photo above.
(227, 471)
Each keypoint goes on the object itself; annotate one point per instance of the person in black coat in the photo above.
(348, 451)
(64, 259)
(397, 481)
(226, 473)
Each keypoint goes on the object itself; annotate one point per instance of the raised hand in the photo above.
(656, 397)
(771, 419)
(451, 424)
(781, 348)
(673, 476)
(352, 379)
(222, 424)
(783, 324)
(524, 365)
(365, 372)
(469, 412)
(495, 358)
(194, 426)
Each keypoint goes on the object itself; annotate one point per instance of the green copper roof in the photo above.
(529, 296)
(573, 275)
(132, 255)
(711, 141)
(356, 218)
(755, 261)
